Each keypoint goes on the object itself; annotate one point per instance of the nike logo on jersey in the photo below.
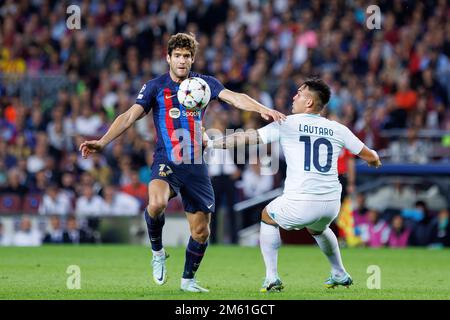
(210, 206)
(169, 97)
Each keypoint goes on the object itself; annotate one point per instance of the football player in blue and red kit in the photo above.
(177, 165)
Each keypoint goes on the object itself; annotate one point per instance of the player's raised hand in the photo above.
(375, 164)
(92, 146)
(268, 114)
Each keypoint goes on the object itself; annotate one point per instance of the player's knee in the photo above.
(156, 207)
(200, 233)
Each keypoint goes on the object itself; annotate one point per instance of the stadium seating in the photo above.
(10, 204)
(31, 203)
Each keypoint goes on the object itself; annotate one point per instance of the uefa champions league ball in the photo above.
(194, 93)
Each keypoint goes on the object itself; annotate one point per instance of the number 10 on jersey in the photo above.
(316, 153)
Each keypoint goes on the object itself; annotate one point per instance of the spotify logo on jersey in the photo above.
(174, 113)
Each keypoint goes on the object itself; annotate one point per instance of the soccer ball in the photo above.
(194, 93)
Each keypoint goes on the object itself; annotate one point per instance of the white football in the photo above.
(194, 93)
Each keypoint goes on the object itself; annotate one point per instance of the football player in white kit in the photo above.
(311, 197)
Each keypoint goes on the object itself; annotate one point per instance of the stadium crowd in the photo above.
(397, 77)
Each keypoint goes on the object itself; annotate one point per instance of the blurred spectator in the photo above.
(55, 202)
(26, 235)
(87, 123)
(145, 172)
(360, 209)
(253, 183)
(20, 149)
(393, 196)
(375, 231)
(406, 98)
(3, 176)
(36, 161)
(4, 240)
(100, 171)
(399, 234)
(39, 183)
(117, 203)
(440, 230)
(55, 232)
(73, 234)
(137, 189)
(412, 150)
(420, 235)
(88, 204)
(14, 183)
(67, 186)
(59, 140)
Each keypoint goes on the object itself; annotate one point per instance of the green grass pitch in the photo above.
(124, 272)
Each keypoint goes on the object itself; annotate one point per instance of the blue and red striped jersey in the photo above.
(179, 131)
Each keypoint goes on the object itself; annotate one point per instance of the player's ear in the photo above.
(309, 102)
(168, 58)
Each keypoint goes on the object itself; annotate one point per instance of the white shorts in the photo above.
(297, 214)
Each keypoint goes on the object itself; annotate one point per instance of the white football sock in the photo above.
(270, 241)
(328, 243)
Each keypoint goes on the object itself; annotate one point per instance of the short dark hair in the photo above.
(320, 88)
(182, 41)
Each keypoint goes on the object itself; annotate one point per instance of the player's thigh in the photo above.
(295, 214)
(159, 192)
(266, 218)
(328, 211)
(197, 194)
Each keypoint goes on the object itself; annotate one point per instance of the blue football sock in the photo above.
(194, 255)
(154, 227)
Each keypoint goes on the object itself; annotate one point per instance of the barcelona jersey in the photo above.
(179, 130)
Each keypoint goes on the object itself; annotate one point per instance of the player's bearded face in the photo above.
(180, 63)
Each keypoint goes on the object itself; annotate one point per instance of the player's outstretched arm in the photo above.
(248, 137)
(119, 126)
(371, 156)
(244, 102)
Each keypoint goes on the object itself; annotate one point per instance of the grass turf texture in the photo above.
(124, 272)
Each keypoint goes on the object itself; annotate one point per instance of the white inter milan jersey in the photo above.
(311, 145)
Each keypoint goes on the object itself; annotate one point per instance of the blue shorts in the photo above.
(191, 181)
